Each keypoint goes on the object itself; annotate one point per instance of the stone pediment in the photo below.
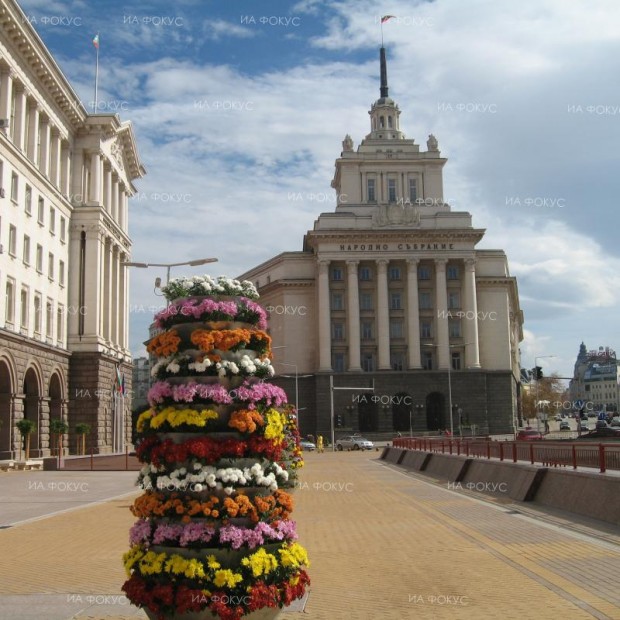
(395, 215)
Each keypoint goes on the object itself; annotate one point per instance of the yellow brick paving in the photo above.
(383, 546)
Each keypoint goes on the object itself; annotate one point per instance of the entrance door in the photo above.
(435, 411)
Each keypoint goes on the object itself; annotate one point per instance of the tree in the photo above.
(25, 427)
(550, 390)
(58, 428)
(82, 429)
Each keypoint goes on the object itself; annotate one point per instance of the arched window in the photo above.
(382, 122)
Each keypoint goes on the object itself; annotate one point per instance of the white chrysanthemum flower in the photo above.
(198, 487)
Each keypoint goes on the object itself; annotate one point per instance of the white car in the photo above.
(354, 442)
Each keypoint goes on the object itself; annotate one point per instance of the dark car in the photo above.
(602, 432)
(564, 426)
(529, 434)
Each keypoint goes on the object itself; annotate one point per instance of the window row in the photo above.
(398, 361)
(37, 309)
(365, 273)
(38, 256)
(410, 191)
(28, 204)
(395, 300)
(396, 329)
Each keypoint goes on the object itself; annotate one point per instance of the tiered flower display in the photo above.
(220, 449)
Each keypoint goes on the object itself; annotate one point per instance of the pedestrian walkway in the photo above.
(384, 544)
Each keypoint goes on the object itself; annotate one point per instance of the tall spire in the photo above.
(384, 83)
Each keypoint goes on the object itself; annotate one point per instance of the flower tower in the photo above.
(220, 448)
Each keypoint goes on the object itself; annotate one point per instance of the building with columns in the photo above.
(390, 290)
(65, 180)
(596, 380)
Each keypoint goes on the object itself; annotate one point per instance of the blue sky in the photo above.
(236, 108)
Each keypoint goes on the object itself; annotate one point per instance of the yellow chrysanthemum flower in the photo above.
(261, 563)
(226, 578)
(294, 555)
(142, 419)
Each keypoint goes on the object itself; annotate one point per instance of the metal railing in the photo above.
(566, 453)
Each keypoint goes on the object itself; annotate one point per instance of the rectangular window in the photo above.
(61, 273)
(337, 301)
(336, 274)
(60, 322)
(413, 190)
(24, 308)
(397, 361)
(37, 313)
(28, 200)
(372, 196)
(424, 273)
(396, 301)
(39, 258)
(366, 301)
(49, 318)
(394, 273)
(456, 361)
(52, 220)
(396, 329)
(41, 211)
(338, 362)
(452, 272)
(426, 329)
(14, 187)
(426, 301)
(367, 330)
(454, 300)
(427, 360)
(9, 300)
(454, 328)
(26, 256)
(368, 362)
(50, 266)
(337, 331)
(365, 273)
(12, 240)
(63, 229)
(391, 190)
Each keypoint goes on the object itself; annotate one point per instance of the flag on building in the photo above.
(386, 17)
(119, 382)
(96, 41)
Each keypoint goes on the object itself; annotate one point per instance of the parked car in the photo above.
(558, 418)
(354, 442)
(307, 445)
(564, 426)
(607, 432)
(529, 434)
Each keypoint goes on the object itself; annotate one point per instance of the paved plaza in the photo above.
(384, 544)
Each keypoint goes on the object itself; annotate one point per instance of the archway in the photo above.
(368, 416)
(32, 399)
(6, 412)
(401, 411)
(55, 400)
(435, 411)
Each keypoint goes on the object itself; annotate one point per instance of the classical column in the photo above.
(77, 179)
(441, 314)
(122, 209)
(65, 168)
(44, 146)
(107, 188)
(95, 179)
(122, 301)
(108, 291)
(413, 314)
(55, 159)
(94, 256)
(325, 345)
(21, 111)
(353, 316)
(116, 309)
(383, 315)
(114, 202)
(33, 132)
(6, 94)
(472, 351)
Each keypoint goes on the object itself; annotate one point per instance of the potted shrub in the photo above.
(82, 430)
(25, 427)
(59, 428)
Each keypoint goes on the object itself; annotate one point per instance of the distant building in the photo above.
(65, 179)
(596, 379)
(390, 289)
(141, 382)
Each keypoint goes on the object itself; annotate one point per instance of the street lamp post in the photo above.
(539, 357)
(191, 263)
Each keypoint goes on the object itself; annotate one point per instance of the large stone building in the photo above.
(65, 179)
(390, 290)
(596, 380)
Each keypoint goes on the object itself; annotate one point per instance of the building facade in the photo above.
(391, 291)
(596, 380)
(65, 180)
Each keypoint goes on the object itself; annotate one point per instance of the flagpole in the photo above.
(381, 33)
(96, 77)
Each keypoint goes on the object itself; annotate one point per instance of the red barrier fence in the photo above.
(553, 453)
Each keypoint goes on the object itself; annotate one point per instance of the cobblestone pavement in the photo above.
(383, 544)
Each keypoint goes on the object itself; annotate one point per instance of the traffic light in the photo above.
(338, 420)
(538, 373)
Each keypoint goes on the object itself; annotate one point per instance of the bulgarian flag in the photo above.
(386, 18)
(96, 41)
